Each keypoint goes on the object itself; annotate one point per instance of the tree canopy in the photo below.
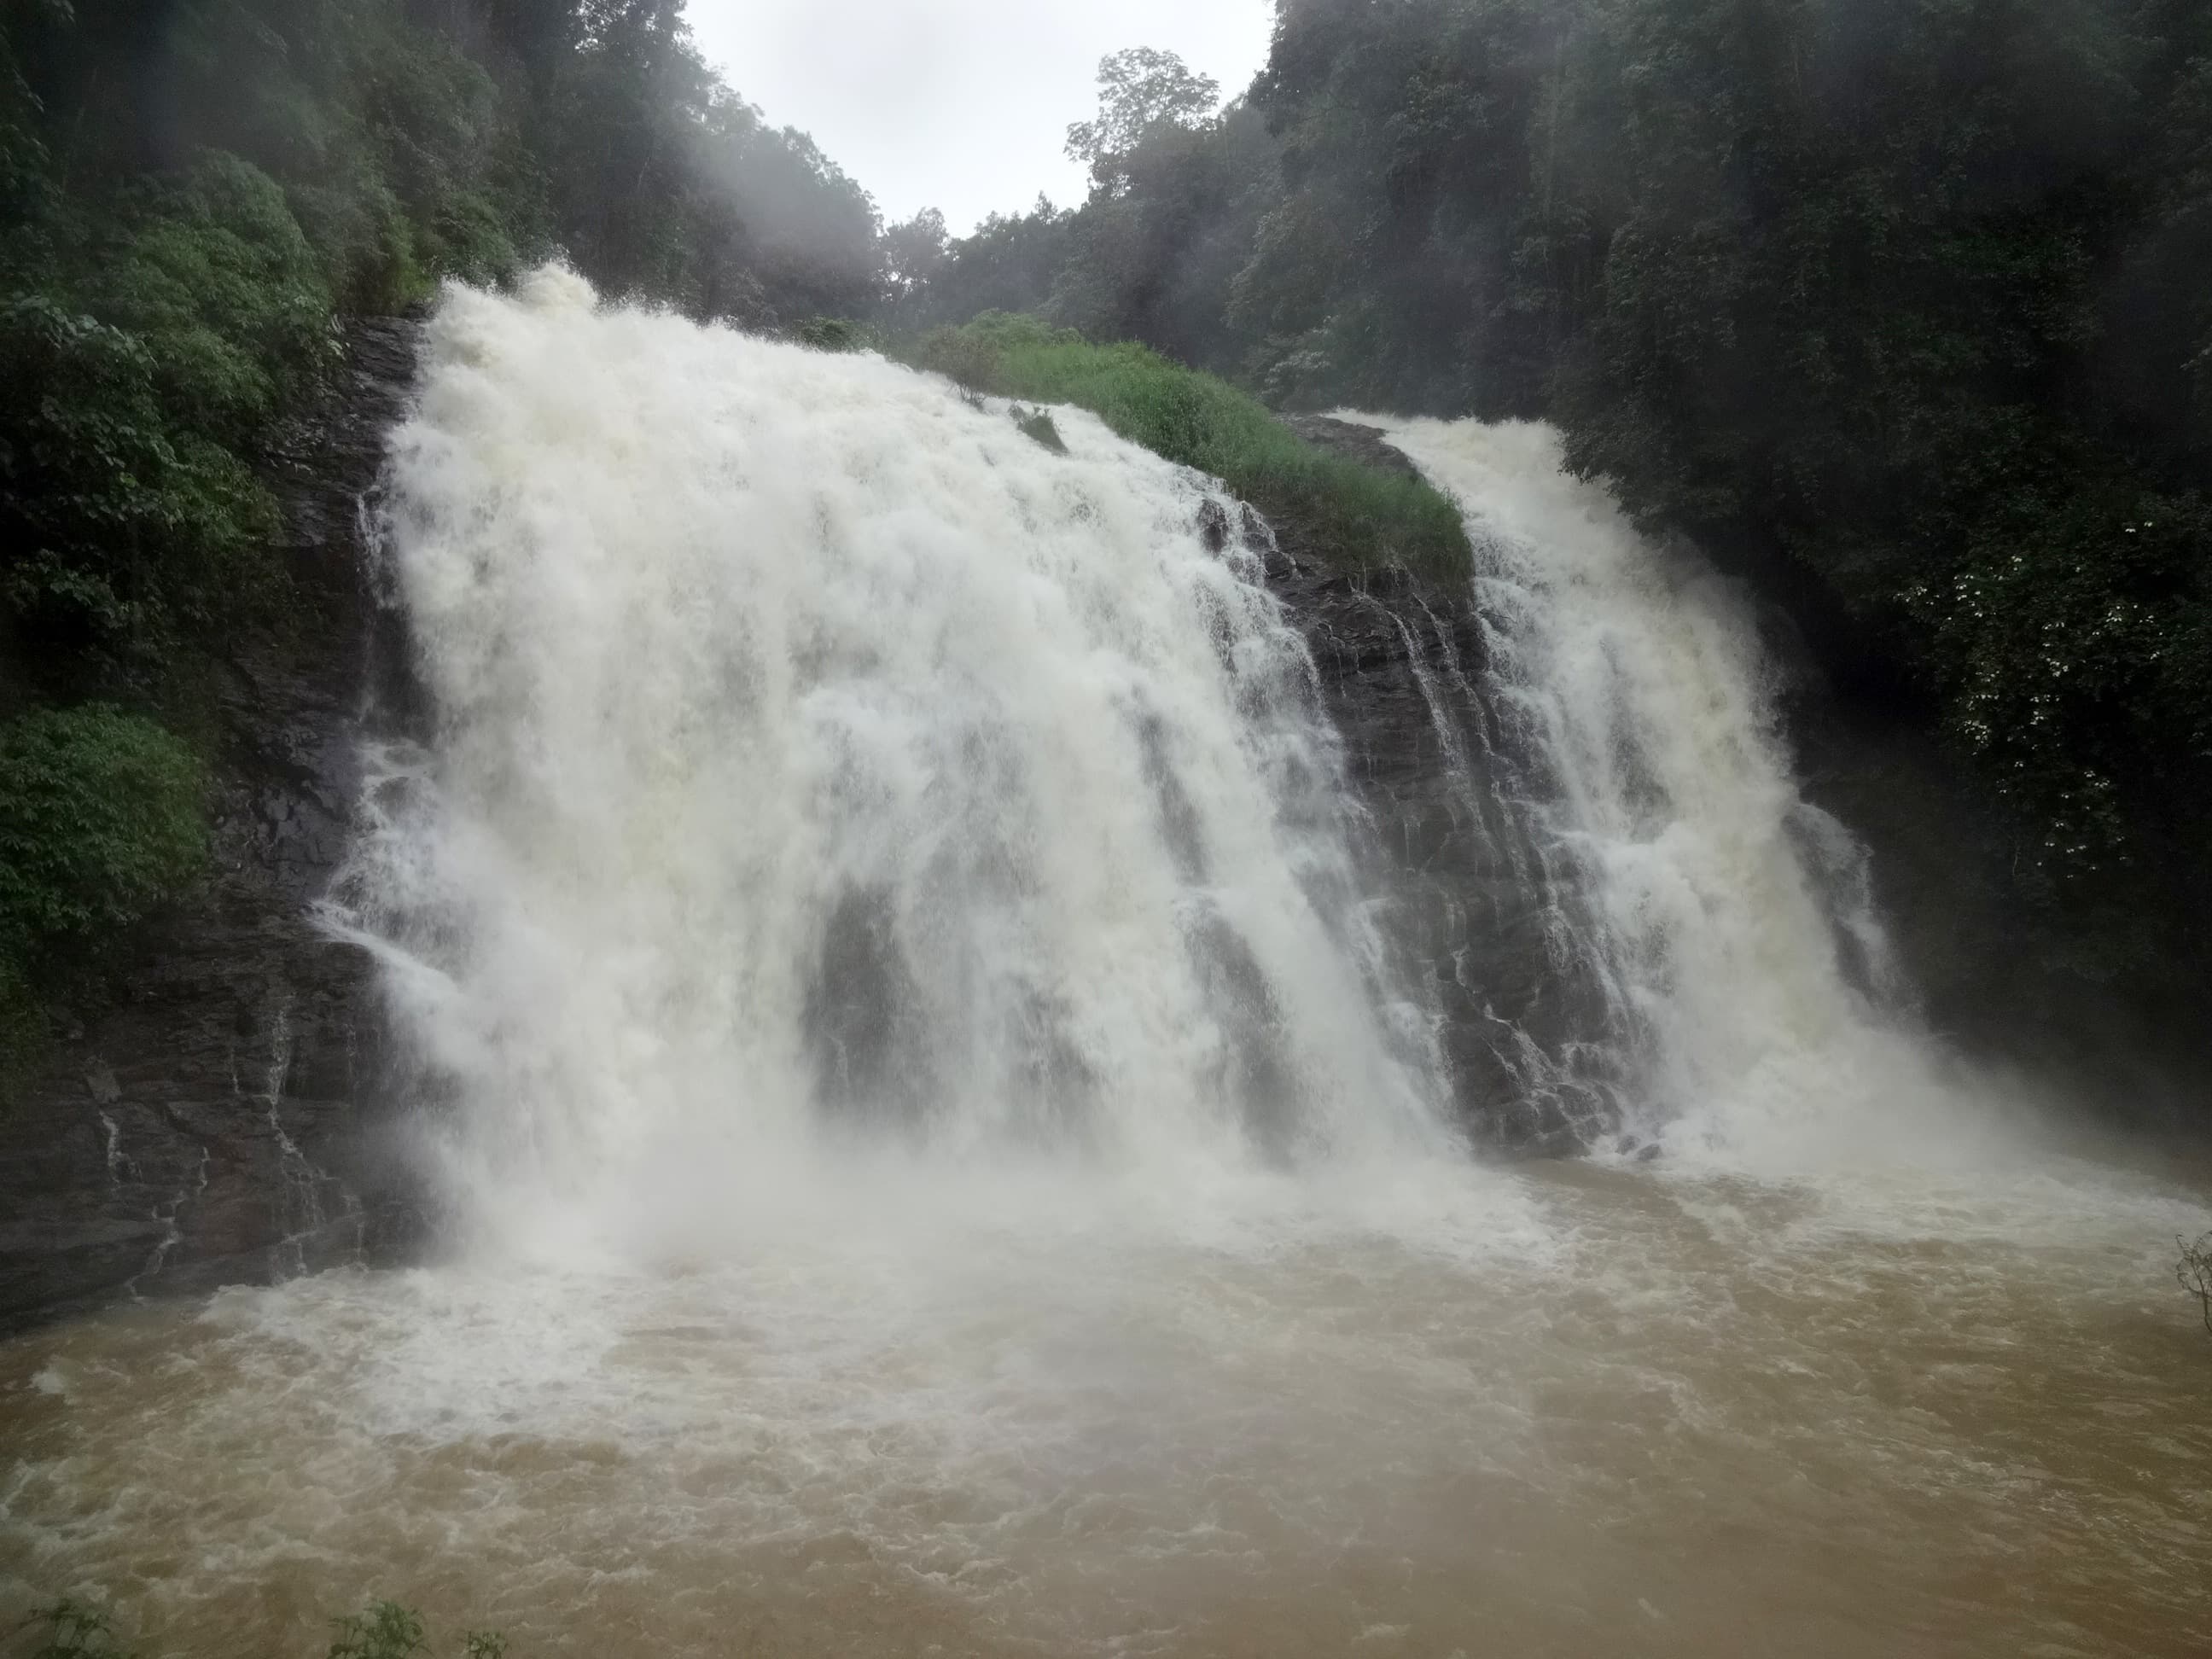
(1139, 90)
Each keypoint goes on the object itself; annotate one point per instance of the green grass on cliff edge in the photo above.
(1355, 515)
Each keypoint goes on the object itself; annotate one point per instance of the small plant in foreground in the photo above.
(1036, 425)
(385, 1630)
(836, 334)
(2193, 1272)
(73, 1631)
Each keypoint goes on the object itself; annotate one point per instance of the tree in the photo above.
(1009, 263)
(916, 251)
(1155, 256)
(1139, 89)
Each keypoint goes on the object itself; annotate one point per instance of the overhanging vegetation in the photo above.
(1354, 515)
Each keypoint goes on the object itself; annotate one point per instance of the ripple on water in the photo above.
(1674, 1415)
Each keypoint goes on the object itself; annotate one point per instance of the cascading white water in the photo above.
(819, 760)
(813, 747)
(1730, 920)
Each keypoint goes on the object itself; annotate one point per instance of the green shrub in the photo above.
(216, 276)
(361, 235)
(385, 1630)
(73, 1632)
(101, 821)
(1037, 426)
(1358, 515)
(836, 334)
(122, 530)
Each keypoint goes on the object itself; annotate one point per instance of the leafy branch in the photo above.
(2193, 1272)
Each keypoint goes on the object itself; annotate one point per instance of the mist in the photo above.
(959, 105)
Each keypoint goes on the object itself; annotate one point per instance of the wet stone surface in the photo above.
(1487, 921)
(209, 1125)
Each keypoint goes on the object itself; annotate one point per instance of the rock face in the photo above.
(1484, 918)
(213, 1124)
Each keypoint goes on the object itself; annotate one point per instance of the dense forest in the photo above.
(1895, 306)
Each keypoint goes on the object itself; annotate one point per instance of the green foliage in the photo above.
(214, 276)
(915, 255)
(1009, 264)
(1139, 91)
(1152, 256)
(72, 1631)
(1358, 515)
(837, 334)
(384, 1631)
(99, 821)
(1036, 425)
(123, 528)
(396, 150)
(663, 183)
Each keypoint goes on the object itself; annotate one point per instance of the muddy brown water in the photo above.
(1570, 1411)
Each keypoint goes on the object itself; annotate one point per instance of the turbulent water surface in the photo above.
(932, 1153)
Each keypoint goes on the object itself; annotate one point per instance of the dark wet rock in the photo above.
(1530, 1041)
(1353, 442)
(208, 1126)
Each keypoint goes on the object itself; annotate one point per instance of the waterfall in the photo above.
(817, 761)
(1745, 1002)
(819, 770)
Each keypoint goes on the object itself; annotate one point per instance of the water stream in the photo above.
(930, 1153)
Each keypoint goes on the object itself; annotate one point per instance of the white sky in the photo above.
(960, 105)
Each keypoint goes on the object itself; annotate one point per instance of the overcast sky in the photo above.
(959, 104)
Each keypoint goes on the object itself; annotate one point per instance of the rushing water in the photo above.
(932, 1157)
(1754, 1014)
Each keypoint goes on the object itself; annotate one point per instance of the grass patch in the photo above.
(1354, 515)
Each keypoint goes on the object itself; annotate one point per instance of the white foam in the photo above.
(767, 677)
(1735, 919)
